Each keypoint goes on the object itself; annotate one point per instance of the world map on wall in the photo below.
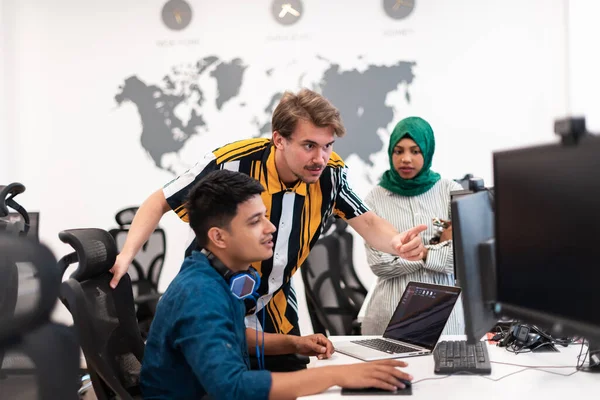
(180, 106)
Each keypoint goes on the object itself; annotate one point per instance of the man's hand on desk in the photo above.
(382, 374)
(313, 345)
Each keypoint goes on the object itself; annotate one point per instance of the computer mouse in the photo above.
(406, 382)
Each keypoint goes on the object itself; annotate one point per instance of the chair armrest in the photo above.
(145, 298)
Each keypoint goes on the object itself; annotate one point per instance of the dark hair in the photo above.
(309, 106)
(213, 201)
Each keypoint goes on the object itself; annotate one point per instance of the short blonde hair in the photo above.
(309, 106)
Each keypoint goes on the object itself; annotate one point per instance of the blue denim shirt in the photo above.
(197, 341)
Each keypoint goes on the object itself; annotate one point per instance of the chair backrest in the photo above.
(31, 282)
(33, 231)
(145, 268)
(148, 263)
(104, 317)
(328, 303)
(7, 193)
(9, 288)
(351, 283)
(18, 223)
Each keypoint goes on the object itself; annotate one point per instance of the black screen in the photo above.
(473, 225)
(548, 229)
(457, 194)
(422, 314)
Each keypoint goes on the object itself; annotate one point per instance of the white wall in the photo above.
(487, 77)
(6, 137)
(584, 63)
(3, 133)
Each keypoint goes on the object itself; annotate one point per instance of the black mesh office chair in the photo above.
(147, 267)
(330, 308)
(104, 318)
(351, 284)
(31, 282)
(18, 223)
(9, 288)
(14, 224)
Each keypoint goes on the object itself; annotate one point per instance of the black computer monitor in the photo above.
(473, 234)
(455, 194)
(459, 193)
(547, 236)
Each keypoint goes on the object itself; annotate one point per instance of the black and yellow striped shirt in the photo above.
(298, 213)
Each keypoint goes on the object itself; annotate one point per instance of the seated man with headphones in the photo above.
(197, 343)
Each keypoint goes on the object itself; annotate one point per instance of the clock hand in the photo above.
(284, 10)
(288, 9)
(292, 11)
(400, 3)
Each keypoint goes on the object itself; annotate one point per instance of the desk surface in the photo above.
(531, 383)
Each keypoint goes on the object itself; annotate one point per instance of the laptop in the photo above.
(415, 327)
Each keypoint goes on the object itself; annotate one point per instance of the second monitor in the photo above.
(473, 233)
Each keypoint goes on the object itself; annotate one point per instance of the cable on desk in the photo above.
(512, 344)
(535, 368)
(581, 364)
(516, 349)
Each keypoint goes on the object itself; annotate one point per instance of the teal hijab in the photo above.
(420, 131)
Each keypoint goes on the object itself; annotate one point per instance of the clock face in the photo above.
(176, 14)
(398, 9)
(287, 12)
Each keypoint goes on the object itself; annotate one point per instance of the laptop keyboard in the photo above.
(385, 346)
(457, 356)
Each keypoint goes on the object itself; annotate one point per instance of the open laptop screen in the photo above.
(422, 314)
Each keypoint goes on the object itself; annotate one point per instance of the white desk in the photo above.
(529, 384)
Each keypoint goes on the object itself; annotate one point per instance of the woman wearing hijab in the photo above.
(410, 194)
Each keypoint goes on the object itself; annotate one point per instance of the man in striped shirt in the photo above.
(305, 183)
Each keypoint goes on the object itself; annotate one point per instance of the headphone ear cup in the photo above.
(256, 277)
(231, 277)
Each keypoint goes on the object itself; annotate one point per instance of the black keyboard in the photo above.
(385, 346)
(457, 356)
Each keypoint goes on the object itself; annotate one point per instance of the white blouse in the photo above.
(394, 273)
